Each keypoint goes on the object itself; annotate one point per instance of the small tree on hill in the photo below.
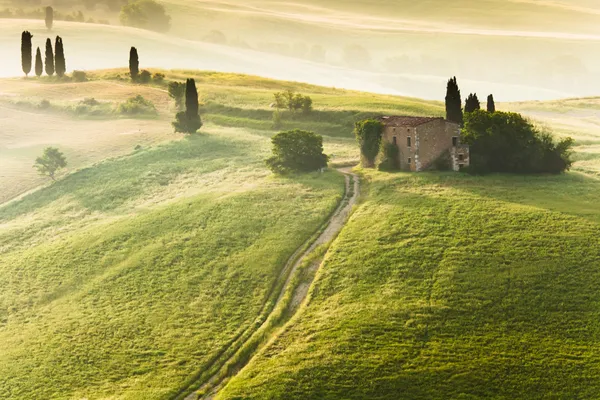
(60, 63)
(189, 121)
(491, 105)
(49, 17)
(368, 134)
(39, 66)
(472, 103)
(134, 63)
(26, 52)
(297, 151)
(49, 61)
(177, 93)
(454, 111)
(50, 162)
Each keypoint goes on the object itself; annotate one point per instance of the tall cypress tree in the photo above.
(454, 111)
(39, 66)
(472, 103)
(60, 63)
(49, 62)
(134, 63)
(49, 17)
(491, 105)
(26, 54)
(189, 121)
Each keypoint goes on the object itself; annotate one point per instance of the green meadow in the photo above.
(445, 286)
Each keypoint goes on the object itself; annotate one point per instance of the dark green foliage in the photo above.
(297, 150)
(443, 162)
(26, 52)
(145, 77)
(137, 105)
(293, 101)
(454, 111)
(177, 93)
(472, 103)
(368, 134)
(189, 121)
(391, 157)
(491, 105)
(39, 66)
(79, 76)
(49, 17)
(60, 63)
(50, 162)
(145, 14)
(134, 63)
(507, 142)
(49, 61)
(158, 77)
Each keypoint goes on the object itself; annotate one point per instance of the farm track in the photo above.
(332, 228)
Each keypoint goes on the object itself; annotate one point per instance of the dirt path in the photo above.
(335, 224)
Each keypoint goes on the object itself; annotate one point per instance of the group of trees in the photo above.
(54, 61)
(454, 107)
(145, 14)
(293, 101)
(297, 151)
(189, 121)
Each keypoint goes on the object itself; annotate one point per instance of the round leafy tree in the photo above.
(297, 150)
(368, 134)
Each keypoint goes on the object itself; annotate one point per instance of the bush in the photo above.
(145, 14)
(297, 150)
(136, 105)
(158, 77)
(90, 101)
(391, 157)
(144, 77)
(507, 142)
(177, 93)
(44, 104)
(368, 135)
(293, 101)
(79, 76)
(186, 124)
(443, 162)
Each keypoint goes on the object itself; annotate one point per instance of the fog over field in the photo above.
(519, 50)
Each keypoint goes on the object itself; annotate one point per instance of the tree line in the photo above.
(54, 61)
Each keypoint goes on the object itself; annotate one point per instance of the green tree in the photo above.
(26, 52)
(134, 63)
(297, 151)
(454, 111)
(507, 142)
(49, 61)
(49, 18)
(145, 14)
(368, 134)
(60, 63)
(39, 66)
(177, 93)
(491, 105)
(189, 121)
(472, 103)
(51, 161)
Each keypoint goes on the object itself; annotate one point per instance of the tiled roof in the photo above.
(407, 121)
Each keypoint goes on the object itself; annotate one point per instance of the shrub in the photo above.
(507, 142)
(144, 77)
(391, 157)
(158, 77)
(90, 101)
(368, 134)
(44, 104)
(297, 150)
(443, 162)
(185, 124)
(136, 105)
(145, 14)
(79, 76)
(177, 93)
(293, 101)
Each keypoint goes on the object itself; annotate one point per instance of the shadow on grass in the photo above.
(110, 184)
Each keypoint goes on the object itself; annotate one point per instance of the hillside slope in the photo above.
(446, 286)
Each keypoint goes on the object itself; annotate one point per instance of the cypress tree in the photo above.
(491, 105)
(26, 52)
(189, 121)
(49, 62)
(39, 67)
(59, 58)
(49, 17)
(472, 103)
(134, 63)
(454, 111)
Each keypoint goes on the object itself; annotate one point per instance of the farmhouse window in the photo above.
(455, 141)
(395, 140)
(461, 157)
(408, 141)
(409, 160)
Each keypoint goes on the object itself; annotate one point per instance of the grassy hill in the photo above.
(446, 286)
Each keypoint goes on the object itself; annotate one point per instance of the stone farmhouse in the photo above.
(423, 140)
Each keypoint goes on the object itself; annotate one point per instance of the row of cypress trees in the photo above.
(54, 61)
(454, 107)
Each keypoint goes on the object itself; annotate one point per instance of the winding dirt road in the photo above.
(333, 226)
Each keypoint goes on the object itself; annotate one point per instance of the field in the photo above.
(445, 286)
